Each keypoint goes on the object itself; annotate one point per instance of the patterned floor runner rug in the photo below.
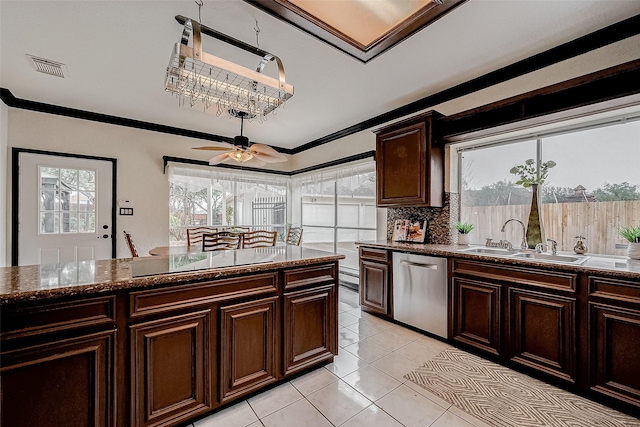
(502, 397)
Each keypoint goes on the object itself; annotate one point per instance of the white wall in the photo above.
(596, 60)
(4, 182)
(139, 152)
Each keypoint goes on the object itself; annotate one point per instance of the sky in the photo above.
(591, 158)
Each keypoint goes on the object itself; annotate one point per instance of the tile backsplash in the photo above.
(440, 221)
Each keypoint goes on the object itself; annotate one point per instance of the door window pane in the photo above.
(49, 222)
(64, 193)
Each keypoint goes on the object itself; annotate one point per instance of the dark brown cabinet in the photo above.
(309, 333)
(614, 321)
(51, 378)
(163, 355)
(171, 369)
(375, 281)
(543, 332)
(524, 315)
(56, 356)
(410, 163)
(248, 347)
(477, 321)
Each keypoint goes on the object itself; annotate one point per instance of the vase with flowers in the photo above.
(632, 235)
(531, 174)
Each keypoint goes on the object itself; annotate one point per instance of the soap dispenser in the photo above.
(580, 247)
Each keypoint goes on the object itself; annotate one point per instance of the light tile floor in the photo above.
(363, 387)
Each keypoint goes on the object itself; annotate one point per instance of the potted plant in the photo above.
(632, 234)
(464, 228)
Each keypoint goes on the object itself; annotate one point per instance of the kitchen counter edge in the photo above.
(18, 284)
(593, 265)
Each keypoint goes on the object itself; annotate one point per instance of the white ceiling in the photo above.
(116, 53)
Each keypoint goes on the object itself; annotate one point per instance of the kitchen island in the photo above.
(160, 341)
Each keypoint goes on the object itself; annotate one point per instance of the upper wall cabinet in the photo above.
(410, 163)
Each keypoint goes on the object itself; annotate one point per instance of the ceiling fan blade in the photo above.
(213, 148)
(219, 158)
(266, 153)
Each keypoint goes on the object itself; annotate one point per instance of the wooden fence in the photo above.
(598, 222)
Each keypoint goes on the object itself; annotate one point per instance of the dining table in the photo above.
(183, 249)
(175, 250)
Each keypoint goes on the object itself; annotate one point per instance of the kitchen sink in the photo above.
(566, 259)
(544, 257)
(488, 251)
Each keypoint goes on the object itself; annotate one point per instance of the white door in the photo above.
(65, 208)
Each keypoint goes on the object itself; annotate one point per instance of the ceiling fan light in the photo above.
(241, 156)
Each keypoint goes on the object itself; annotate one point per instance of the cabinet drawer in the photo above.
(155, 301)
(43, 318)
(299, 277)
(374, 254)
(537, 277)
(621, 290)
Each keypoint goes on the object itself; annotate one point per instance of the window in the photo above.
(593, 190)
(67, 200)
(336, 209)
(199, 196)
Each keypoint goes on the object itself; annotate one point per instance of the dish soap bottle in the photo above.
(580, 247)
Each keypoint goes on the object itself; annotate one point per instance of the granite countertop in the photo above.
(614, 266)
(34, 282)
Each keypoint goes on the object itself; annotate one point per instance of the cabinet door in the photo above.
(613, 349)
(401, 159)
(248, 343)
(171, 370)
(374, 287)
(62, 383)
(476, 314)
(310, 328)
(543, 332)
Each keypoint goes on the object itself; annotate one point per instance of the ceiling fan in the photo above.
(242, 150)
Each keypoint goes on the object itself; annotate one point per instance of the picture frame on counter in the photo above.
(405, 230)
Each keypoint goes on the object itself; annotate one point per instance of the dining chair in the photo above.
(132, 246)
(294, 236)
(194, 235)
(220, 241)
(259, 238)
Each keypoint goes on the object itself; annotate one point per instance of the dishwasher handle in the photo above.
(418, 264)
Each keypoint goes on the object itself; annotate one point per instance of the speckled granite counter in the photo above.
(612, 266)
(34, 282)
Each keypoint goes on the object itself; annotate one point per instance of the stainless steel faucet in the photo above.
(523, 245)
(554, 246)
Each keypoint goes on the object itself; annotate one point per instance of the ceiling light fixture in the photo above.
(194, 75)
(242, 150)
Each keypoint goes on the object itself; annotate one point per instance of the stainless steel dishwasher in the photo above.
(420, 292)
